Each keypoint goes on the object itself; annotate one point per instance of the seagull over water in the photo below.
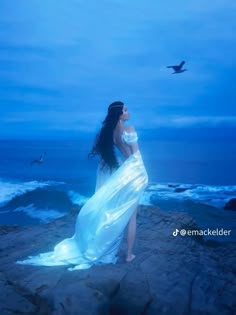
(38, 161)
(178, 69)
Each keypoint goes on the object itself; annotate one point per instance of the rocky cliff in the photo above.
(182, 275)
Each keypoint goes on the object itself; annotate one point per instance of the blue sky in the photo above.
(63, 62)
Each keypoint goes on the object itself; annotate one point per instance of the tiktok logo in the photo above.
(175, 233)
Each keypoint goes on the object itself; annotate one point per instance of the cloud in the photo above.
(91, 121)
(190, 121)
(54, 120)
(72, 60)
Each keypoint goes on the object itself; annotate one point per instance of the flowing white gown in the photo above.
(101, 221)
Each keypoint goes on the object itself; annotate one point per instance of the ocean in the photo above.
(196, 177)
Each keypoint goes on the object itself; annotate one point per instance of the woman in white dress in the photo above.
(102, 220)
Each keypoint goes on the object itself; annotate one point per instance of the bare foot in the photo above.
(130, 258)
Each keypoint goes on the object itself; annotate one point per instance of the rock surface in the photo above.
(231, 204)
(180, 189)
(170, 275)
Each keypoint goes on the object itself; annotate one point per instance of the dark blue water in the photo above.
(210, 163)
(64, 161)
(197, 162)
(39, 193)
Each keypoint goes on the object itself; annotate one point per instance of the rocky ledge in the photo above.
(182, 275)
(231, 204)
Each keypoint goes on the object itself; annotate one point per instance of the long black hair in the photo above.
(104, 145)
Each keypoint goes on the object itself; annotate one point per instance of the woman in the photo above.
(101, 221)
(114, 132)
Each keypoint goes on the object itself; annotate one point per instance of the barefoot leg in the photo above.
(131, 234)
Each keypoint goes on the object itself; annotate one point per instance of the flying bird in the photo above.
(38, 161)
(178, 69)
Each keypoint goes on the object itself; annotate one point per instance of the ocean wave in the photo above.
(43, 215)
(80, 200)
(44, 202)
(77, 198)
(10, 190)
(213, 195)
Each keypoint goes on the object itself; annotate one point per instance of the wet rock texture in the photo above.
(182, 275)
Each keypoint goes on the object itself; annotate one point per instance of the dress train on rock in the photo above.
(101, 221)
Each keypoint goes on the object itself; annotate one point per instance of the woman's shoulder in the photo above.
(129, 129)
(129, 135)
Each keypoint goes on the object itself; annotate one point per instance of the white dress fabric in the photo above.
(101, 221)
